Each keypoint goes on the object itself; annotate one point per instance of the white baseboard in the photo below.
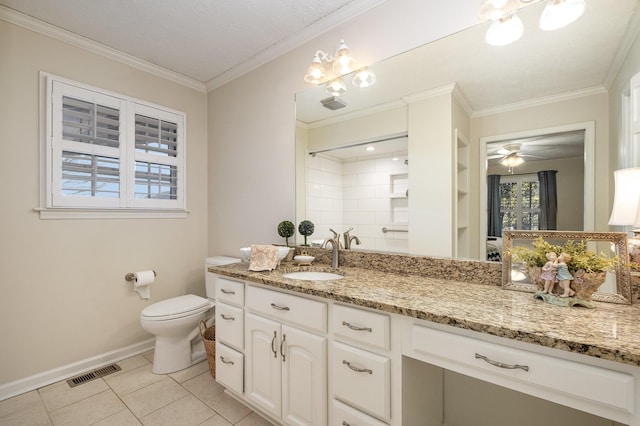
(7, 390)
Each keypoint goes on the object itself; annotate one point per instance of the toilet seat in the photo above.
(177, 307)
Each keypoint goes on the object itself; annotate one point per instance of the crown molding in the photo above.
(530, 103)
(30, 23)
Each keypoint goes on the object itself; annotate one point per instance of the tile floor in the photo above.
(132, 396)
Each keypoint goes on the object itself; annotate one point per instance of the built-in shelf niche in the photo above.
(461, 212)
(398, 198)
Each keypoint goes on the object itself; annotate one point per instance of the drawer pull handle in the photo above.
(227, 291)
(280, 308)
(273, 348)
(226, 317)
(356, 328)
(356, 369)
(501, 365)
(224, 361)
(345, 423)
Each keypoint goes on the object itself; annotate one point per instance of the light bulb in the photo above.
(560, 13)
(336, 87)
(315, 72)
(364, 78)
(505, 30)
(343, 62)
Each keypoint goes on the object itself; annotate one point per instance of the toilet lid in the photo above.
(176, 307)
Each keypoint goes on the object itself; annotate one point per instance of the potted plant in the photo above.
(587, 268)
(305, 228)
(286, 229)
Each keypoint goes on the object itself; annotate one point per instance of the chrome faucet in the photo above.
(335, 245)
(348, 239)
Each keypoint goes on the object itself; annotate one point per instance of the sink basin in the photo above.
(313, 276)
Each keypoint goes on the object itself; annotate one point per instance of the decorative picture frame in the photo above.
(617, 288)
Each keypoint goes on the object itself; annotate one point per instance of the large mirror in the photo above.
(451, 112)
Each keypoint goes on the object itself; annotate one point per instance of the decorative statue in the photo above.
(563, 275)
(549, 271)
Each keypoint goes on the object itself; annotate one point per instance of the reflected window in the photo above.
(520, 202)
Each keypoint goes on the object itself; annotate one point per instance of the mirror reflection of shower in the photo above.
(363, 185)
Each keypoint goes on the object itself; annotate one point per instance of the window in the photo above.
(110, 153)
(520, 202)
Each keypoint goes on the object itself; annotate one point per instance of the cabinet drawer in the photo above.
(343, 415)
(229, 291)
(229, 368)
(362, 379)
(289, 308)
(542, 375)
(230, 325)
(361, 326)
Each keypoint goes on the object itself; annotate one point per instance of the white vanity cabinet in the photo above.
(286, 366)
(229, 333)
(360, 366)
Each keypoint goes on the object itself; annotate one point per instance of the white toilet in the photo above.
(175, 323)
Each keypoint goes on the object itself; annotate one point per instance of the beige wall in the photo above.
(63, 294)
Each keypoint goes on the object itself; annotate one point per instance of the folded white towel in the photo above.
(263, 258)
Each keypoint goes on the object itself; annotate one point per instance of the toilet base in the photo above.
(171, 355)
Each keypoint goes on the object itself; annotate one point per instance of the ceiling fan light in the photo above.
(343, 62)
(336, 87)
(364, 78)
(560, 13)
(512, 160)
(505, 30)
(315, 73)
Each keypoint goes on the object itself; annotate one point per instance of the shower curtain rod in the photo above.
(369, 142)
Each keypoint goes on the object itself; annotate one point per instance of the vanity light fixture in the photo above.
(507, 27)
(342, 63)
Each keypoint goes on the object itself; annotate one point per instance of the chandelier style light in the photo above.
(507, 27)
(342, 63)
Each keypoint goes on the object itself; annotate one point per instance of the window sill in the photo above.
(86, 213)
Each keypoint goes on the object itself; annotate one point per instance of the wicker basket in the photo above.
(209, 340)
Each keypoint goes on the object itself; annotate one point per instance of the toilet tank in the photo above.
(210, 281)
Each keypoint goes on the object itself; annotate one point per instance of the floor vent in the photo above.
(95, 374)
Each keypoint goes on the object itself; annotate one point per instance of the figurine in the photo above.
(549, 271)
(563, 275)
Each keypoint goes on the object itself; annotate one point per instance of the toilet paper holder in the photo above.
(131, 276)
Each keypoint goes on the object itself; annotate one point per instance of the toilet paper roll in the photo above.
(141, 282)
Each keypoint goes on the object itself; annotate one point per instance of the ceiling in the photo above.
(211, 42)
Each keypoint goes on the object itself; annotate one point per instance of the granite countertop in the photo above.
(610, 331)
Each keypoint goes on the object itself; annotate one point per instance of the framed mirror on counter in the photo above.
(592, 265)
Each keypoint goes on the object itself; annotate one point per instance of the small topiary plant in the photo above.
(286, 229)
(305, 229)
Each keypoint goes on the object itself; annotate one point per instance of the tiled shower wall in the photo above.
(366, 195)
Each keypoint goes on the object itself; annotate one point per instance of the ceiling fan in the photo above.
(510, 155)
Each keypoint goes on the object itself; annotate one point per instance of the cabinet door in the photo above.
(304, 377)
(263, 363)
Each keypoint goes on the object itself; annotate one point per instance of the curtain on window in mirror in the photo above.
(548, 199)
(494, 220)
